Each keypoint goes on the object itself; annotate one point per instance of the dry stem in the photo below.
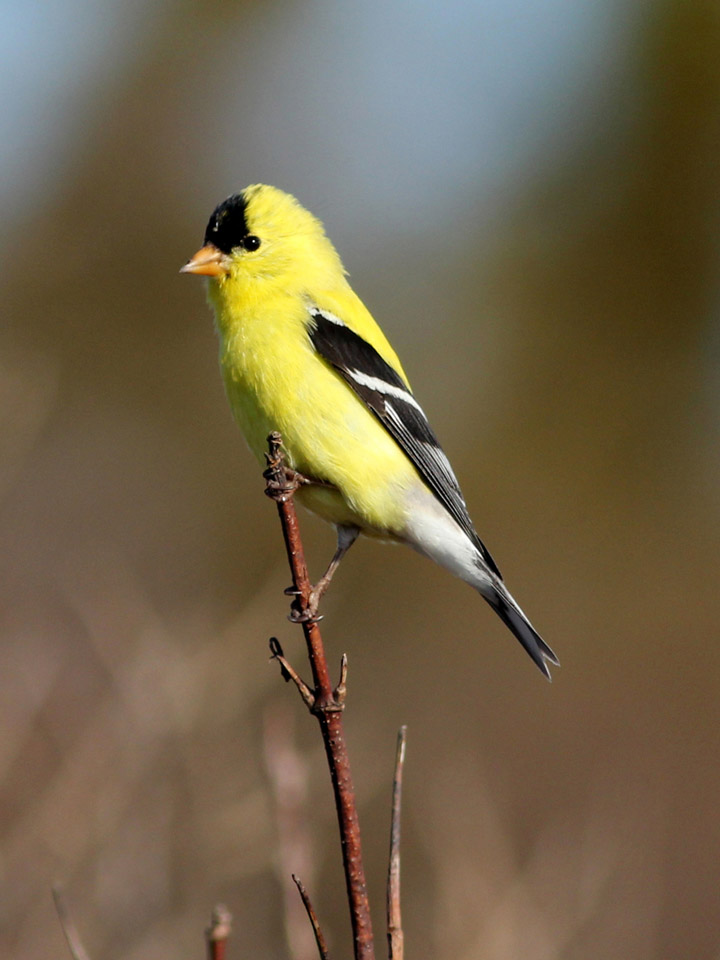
(394, 917)
(319, 938)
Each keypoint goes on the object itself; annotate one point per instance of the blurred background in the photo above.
(526, 196)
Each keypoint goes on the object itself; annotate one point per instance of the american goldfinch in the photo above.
(301, 354)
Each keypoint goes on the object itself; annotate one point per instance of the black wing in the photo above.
(384, 391)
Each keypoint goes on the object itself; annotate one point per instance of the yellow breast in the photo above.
(276, 381)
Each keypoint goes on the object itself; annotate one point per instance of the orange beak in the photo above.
(208, 262)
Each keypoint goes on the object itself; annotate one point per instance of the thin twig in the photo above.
(288, 672)
(77, 950)
(328, 703)
(319, 938)
(394, 916)
(218, 932)
(288, 774)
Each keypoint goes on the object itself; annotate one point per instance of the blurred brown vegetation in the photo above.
(142, 568)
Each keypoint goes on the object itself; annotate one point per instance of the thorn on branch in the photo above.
(319, 938)
(218, 932)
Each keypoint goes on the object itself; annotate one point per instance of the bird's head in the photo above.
(263, 234)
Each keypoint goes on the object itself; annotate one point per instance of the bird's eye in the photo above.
(250, 242)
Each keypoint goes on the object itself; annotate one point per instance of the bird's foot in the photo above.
(304, 612)
(283, 483)
(281, 480)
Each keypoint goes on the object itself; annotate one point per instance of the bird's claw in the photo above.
(304, 613)
(278, 489)
(304, 616)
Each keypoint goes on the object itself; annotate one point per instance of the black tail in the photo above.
(513, 617)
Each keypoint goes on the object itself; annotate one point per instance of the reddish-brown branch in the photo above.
(394, 917)
(218, 932)
(327, 703)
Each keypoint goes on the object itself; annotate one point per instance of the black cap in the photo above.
(227, 225)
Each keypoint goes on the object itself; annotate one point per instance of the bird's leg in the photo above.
(346, 537)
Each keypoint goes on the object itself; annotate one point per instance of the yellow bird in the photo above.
(301, 354)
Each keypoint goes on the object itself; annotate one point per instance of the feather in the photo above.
(388, 396)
